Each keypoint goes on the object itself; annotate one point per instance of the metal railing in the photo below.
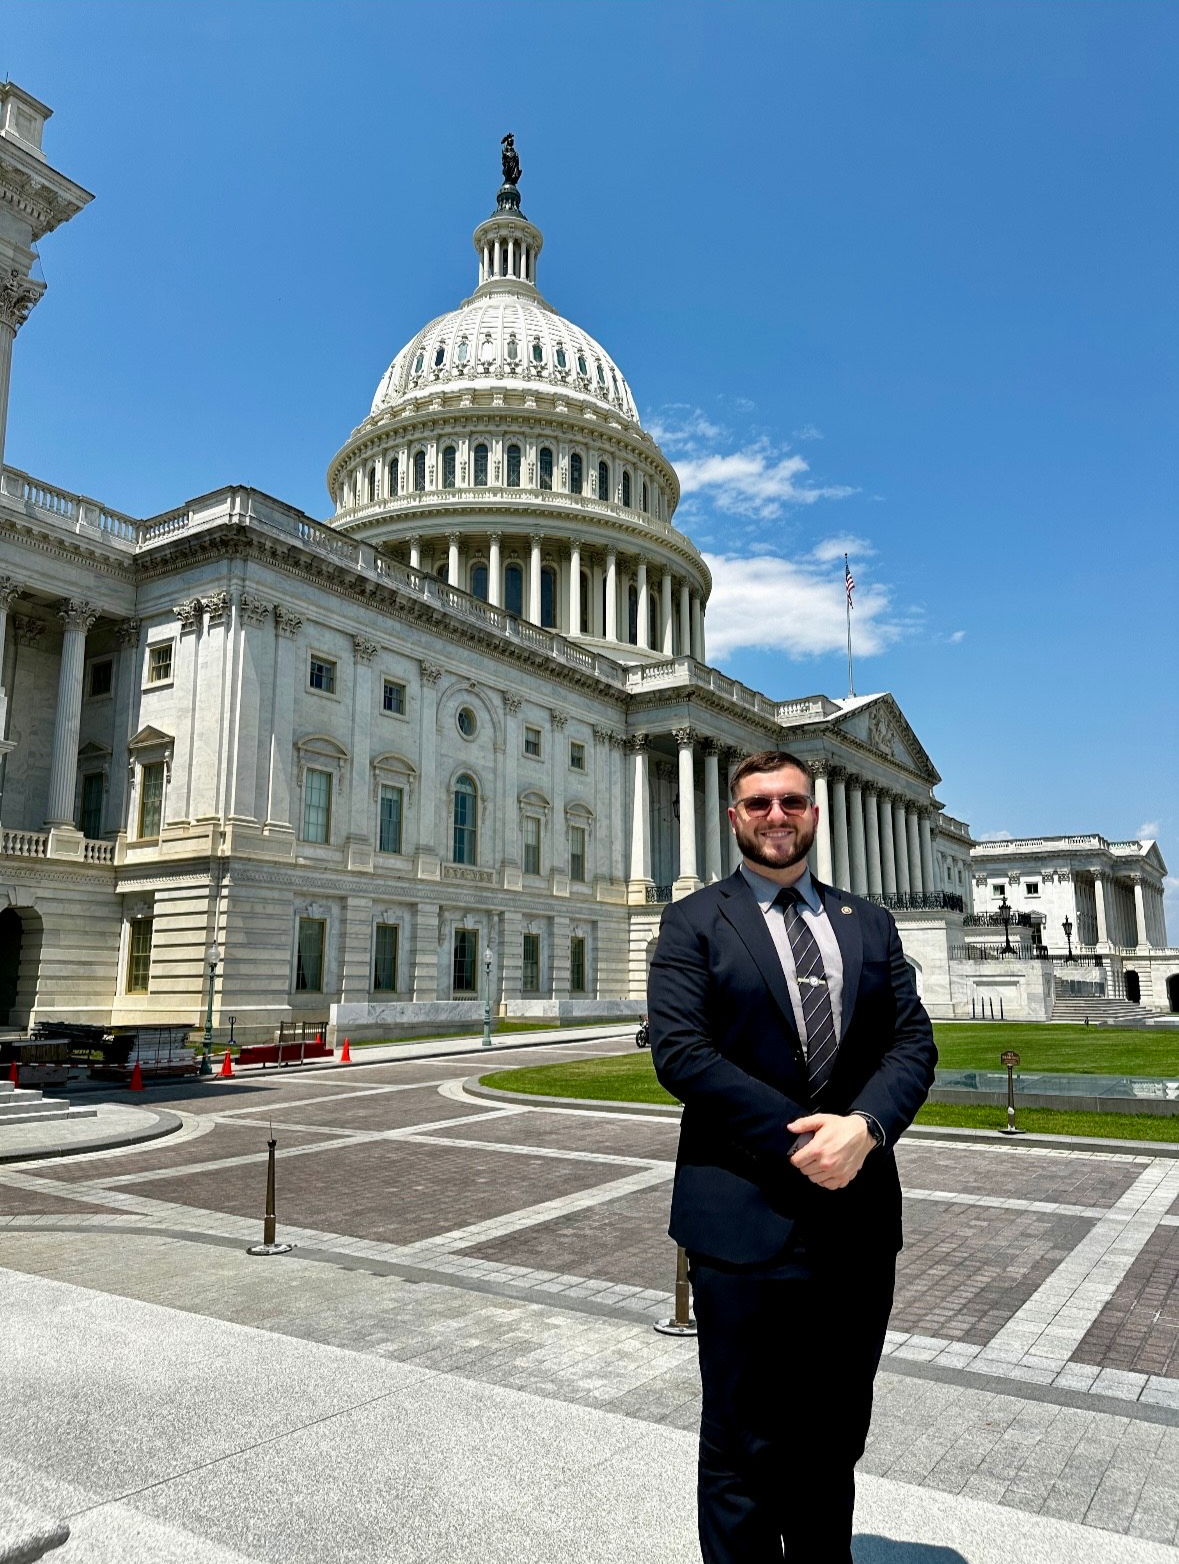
(657, 894)
(998, 953)
(918, 901)
(992, 920)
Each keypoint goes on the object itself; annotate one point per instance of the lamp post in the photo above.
(213, 957)
(487, 997)
(1068, 934)
(1005, 919)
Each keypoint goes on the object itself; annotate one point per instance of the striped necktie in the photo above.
(822, 1045)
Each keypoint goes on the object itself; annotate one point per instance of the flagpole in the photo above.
(851, 687)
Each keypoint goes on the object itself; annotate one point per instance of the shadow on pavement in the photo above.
(867, 1548)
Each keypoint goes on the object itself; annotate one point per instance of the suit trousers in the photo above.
(787, 1360)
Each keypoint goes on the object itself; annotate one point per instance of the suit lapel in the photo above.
(851, 948)
(739, 905)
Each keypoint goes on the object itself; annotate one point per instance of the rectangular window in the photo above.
(466, 962)
(531, 978)
(393, 697)
(998, 890)
(151, 799)
(577, 853)
(576, 755)
(385, 959)
(309, 960)
(139, 956)
(317, 806)
(322, 675)
(90, 818)
(101, 676)
(532, 742)
(577, 964)
(531, 844)
(159, 663)
(389, 838)
(1033, 887)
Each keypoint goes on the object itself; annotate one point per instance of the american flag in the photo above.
(848, 582)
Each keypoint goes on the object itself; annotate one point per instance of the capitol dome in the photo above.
(504, 452)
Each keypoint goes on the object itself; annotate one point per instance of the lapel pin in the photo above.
(847, 911)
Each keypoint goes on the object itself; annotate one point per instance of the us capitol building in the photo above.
(471, 713)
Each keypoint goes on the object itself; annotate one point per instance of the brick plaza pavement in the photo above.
(1033, 1362)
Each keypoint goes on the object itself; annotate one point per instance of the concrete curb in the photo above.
(1141, 1148)
(165, 1123)
(26, 1534)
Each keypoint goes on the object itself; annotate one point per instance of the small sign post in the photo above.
(1011, 1059)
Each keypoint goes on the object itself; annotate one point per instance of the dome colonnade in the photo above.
(504, 453)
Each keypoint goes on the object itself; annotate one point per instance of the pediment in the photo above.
(533, 798)
(149, 737)
(391, 761)
(882, 726)
(94, 751)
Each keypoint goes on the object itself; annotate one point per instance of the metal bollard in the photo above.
(1011, 1059)
(268, 1245)
(683, 1324)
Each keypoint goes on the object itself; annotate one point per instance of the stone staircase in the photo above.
(1100, 1011)
(21, 1106)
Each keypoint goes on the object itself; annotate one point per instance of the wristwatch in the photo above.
(877, 1132)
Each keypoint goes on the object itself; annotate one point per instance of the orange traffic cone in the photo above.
(14, 1074)
(226, 1069)
(345, 1053)
(137, 1078)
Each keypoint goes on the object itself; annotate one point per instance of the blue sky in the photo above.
(897, 276)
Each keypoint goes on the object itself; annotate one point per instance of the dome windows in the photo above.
(603, 481)
(546, 467)
(513, 457)
(562, 359)
(626, 489)
(513, 349)
(440, 355)
(514, 590)
(601, 376)
(548, 598)
(575, 473)
(480, 466)
(461, 352)
(393, 476)
(537, 352)
(448, 467)
(646, 504)
(419, 471)
(582, 367)
(487, 350)
(479, 582)
(617, 392)
(418, 362)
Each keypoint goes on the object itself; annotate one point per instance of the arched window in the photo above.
(562, 359)
(548, 598)
(546, 467)
(575, 473)
(514, 590)
(440, 355)
(419, 471)
(461, 352)
(603, 481)
(582, 368)
(371, 484)
(503, 260)
(448, 463)
(653, 619)
(443, 571)
(479, 581)
(585, 602)
(466, 821)
(513, 466)
(513, 348)
(626, 489)
(480, 466)
(632, 614)
(393, 476)
(537, 352)
(646, 506)
(418, 362)
(601, 376)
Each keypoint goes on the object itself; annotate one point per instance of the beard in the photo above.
(774, 857)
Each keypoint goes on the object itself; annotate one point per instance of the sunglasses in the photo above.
(759, 804)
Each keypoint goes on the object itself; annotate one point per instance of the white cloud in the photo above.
(1148, 830)
(995, 836)
(957, 637)
(807, 432)
(756, 481)
(772, 604)
(837, 547)
(681, 427)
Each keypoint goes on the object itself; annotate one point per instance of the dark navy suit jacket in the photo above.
(724, 1041)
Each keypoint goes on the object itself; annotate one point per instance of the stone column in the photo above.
(535, 541)
(888, 867)
(824, 863)
(575, 588)
(735, 758)
(126, 710)
(278, 804)
(610, 631)
(856, 844)
(253, 663)
(668, 625)
(415, 553)
(452, 559)
(900, 846)
(685, 620)
(916, 883)
(687, 880)
(77, 617)
(427, 858)
(926, 852)
(640, 823)
(1140, 913)
(495, 594)
(697, 629)
(9, 592)
(712, 830)
(842, 864)
(872, 834)
(362, 809)
(644, 632)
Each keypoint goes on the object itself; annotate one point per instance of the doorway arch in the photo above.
(1133, 986)
(1173, 992)
(21, 932)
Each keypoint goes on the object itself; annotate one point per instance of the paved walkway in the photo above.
(458, 1358)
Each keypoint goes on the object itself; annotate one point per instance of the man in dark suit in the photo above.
(785, 1019)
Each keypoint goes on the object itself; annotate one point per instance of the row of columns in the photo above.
(689, 877)
(870, 841)
(682, 605)
(1143, 933)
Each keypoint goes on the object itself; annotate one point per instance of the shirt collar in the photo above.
(765, 890)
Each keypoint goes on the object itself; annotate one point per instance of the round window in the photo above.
(467, 722)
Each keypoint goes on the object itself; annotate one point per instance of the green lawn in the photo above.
(1065, 1050)
(631, 1078)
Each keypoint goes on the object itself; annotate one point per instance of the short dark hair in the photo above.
(769, 760)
